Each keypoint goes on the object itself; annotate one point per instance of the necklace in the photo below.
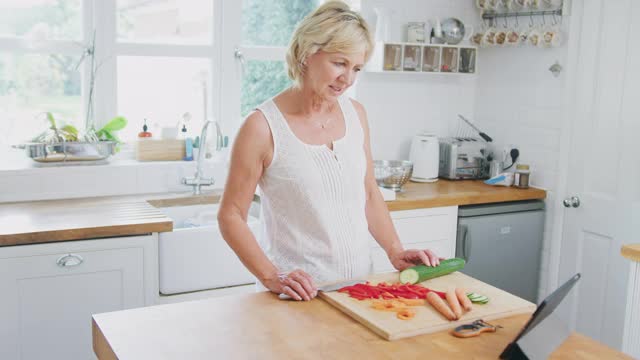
(325, 123)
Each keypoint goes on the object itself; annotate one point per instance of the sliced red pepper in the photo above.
(388, 291)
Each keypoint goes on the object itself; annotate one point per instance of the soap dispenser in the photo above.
(145, 133)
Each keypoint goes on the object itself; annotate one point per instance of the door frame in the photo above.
(570, 99)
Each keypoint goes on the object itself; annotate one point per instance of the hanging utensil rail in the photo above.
(490, 15)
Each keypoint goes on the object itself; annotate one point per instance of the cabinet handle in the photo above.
(69, 260)
(465, 245)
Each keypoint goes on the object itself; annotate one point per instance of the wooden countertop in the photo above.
(258, 325)
(631, 252)
(62, 220)
(461, 192)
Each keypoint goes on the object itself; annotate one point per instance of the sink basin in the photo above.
(194, 256)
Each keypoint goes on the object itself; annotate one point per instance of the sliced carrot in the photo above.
(464, 300)
(412, 302)
(440, 305)
(406, 314)
(388, 305)
(454, 304)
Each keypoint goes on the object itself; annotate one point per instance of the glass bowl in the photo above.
(392, 174)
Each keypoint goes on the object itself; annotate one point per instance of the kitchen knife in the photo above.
(327, 287)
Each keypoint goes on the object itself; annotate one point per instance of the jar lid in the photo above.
(522, 167)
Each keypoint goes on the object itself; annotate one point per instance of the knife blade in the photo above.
(328, 287)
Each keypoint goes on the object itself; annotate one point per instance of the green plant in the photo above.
(108, 132)
(57, 132)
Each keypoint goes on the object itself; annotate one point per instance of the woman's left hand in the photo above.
(408, 258)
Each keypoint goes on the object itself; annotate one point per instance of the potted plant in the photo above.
(62, 142)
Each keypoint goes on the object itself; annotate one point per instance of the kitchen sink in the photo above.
(194, 256)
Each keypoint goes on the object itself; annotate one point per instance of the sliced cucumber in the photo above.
(477, 298)
(420, 273)
(409, 276)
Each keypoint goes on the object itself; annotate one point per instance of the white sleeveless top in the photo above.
(313, 201)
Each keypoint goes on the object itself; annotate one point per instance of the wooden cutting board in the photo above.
(427, 319)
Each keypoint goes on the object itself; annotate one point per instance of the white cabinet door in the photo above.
(432, 228)
(50, 291)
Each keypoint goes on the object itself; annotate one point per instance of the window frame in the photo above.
(75, 48)
(226, 54)
(111, 49)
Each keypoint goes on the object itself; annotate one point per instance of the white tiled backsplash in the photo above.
(121, 177)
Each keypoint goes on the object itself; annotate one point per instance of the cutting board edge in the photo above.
(359, 319)
(402, 335)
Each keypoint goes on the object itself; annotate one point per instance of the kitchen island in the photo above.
(259, 326)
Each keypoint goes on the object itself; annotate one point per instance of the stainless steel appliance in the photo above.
(463, 158)
(502, 244)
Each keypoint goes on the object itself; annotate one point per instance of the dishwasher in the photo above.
(502, 245)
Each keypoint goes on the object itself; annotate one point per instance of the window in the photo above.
(163, 100)
(40, 49)
(41, 19)
(166, 22)
(165, 51)
(32, 84)
(157, 60)
(267, 27)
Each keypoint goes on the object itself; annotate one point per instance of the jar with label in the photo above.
(415, 32)
(522, 175)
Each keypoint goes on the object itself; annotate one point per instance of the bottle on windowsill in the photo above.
(144, 133)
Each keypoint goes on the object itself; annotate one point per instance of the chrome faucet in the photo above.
(197, 181)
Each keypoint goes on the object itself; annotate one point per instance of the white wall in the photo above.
(25, 180)
(519, 102)
(401, 105)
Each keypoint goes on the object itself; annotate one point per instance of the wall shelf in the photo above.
(421, 58)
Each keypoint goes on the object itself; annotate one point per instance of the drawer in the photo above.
(425, 224)
(381, 263)
(442, 211)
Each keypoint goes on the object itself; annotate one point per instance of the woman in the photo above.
(308, 149)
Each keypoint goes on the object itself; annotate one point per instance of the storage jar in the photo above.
(522, 176)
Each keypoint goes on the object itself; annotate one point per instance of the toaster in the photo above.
(463, 158)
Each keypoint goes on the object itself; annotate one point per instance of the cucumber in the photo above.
(477, 298)
(420, 273)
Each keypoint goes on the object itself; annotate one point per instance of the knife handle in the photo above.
(284, 296)
(474, 329)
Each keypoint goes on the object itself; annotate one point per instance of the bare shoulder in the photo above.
(362, 113)
(255, 129)
(254, 138)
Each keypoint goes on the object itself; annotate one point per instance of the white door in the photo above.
(603, 166)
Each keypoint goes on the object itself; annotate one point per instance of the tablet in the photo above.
(546, 307)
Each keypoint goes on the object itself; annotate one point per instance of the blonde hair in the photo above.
(332, 27)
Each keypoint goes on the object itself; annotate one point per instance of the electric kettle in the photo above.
(425, 155)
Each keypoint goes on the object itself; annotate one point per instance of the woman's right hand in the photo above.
(297, 284)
